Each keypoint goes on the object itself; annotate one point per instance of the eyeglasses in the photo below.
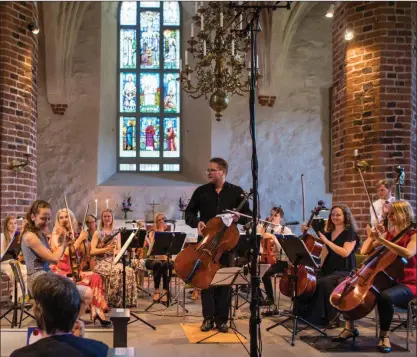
(210, 171)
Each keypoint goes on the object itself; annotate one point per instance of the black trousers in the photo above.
(318, 309)
(278, 267)
(160, 269)
(399, 295)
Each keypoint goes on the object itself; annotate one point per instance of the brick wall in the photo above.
(18, 104)
(374, 99)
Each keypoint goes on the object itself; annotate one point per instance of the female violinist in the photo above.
(337, 261)
(279, 263)
(88, 278)
(104, 262)
(400, 216)
(158, 263)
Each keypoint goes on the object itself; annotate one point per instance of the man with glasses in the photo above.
(208, 201)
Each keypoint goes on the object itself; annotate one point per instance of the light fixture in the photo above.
(19, 165)
(34, 28)
(349, 34)
(219, 51)
(330, 11)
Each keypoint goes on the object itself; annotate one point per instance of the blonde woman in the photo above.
(400, 215)
(88, 278)
(104, 266)
(337, 261)
(9, 232)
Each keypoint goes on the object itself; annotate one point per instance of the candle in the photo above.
(192, 29)
(186, 57)
(257, 61)
(240, 21)
(204, 48)
(196, 7)
(202, 22)
(107, 203)
(213, 36)
(356, 153)
(233, 47)
(180, 64)
(221, 19)
(96, 200)
(28, 149)
(201, 3)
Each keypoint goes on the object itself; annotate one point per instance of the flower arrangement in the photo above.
(126, 205)
(182, 205)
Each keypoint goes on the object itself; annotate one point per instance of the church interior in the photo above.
(316, 99)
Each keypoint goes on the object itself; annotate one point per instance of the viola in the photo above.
(197, 265)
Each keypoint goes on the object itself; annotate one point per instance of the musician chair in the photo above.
(24, 306)
(408, 323)
(5, 293)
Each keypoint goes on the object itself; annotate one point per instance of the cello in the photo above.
(197, 265)
(267, 256)
(356, 296)
(306, 276)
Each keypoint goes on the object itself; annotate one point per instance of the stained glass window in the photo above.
(149, 119)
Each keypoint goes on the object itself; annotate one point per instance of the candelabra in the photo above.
(219, 51)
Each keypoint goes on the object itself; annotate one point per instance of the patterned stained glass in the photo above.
(171, 13)
(149, 137)
(128, 13)
(127, 92)
(172, 49)
(127, 167)
(127, 48)
(127, 137)
(171, 167)
(171, 93)
(149, 39)
(150, 93)
(149, 4)
(172, 137)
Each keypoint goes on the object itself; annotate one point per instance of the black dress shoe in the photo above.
(207, 325)
(352, 334)
(223, 327)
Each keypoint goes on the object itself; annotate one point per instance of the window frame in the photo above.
(137, 115)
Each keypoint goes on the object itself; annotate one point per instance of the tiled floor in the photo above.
(169, 339)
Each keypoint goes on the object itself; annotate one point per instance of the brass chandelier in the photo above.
(219, 52)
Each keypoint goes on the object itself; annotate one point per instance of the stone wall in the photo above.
(18, 104)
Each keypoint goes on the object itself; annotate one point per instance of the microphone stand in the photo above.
(252, 28)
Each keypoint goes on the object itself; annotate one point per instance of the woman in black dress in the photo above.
(338, 260)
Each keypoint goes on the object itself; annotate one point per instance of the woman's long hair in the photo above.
(347, 215)
(33, 210)
(112, 218)
(403, 213)
(6, 233)
(71, 216)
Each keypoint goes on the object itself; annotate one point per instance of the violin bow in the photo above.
(69, 217)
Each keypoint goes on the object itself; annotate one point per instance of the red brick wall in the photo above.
(18, 104)
(374, 99)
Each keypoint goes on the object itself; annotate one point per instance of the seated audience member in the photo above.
(57, 303)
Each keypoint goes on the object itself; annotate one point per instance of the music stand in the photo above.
(122, 255)
(12, 252)
(169, 244)
(228, 277)
(297, 254)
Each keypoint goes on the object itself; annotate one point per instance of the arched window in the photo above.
(149, 108)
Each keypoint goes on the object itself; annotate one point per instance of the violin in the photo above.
(73, 255)
(197, 265)
(84, 248)
(107, 239)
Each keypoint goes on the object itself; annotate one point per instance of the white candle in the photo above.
(221, 19)
(107, 203)
(233, 47)
(240, 22)
(180, 64)
(202, 22)
(96, 200)
(28, 149)
(186, 57)
(213, 36)
(201, 3)
(196, 7)
(204, 48)
(192, 29)
(257, 61)
(355, 153)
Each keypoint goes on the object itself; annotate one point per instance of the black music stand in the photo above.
(297, 254)
(12, 252)
(169, 244)
(122, 255)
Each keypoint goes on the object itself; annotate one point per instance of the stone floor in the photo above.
(169, 339)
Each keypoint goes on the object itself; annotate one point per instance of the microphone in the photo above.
(292, 223)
